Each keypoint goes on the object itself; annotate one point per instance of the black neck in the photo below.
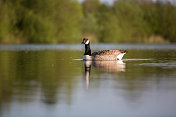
(87, 49)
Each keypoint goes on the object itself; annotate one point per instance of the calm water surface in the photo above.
(53, 81)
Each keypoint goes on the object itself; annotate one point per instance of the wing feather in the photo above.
(108, 52)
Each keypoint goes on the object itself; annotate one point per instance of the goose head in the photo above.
(85, 41)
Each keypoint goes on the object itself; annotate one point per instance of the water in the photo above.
(52, 80)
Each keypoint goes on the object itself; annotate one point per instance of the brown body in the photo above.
(110, 55)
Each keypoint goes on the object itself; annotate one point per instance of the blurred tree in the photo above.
(64, 21)
(90, 6)
(43, 21)
(168, 25)
(131, 19)
(67, 15)
(152, 15)
(89, 25)
(4, 20)
(108, 25)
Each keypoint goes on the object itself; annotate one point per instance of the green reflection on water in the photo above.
(24, 73)
(53, 76)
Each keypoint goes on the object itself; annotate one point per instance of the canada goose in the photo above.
(102, 55)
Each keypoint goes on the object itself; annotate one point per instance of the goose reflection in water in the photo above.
(105, 66)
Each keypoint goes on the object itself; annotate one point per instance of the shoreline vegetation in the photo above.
(68, 21)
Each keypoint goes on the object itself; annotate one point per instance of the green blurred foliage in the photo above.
(24, 72)
(168, 22)
(66, 21)
(108, 25)
(131, 21)
(40, 21)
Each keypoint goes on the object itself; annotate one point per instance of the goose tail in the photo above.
(124, 51)
(120, 56)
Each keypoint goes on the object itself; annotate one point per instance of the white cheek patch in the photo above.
(87, 42)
